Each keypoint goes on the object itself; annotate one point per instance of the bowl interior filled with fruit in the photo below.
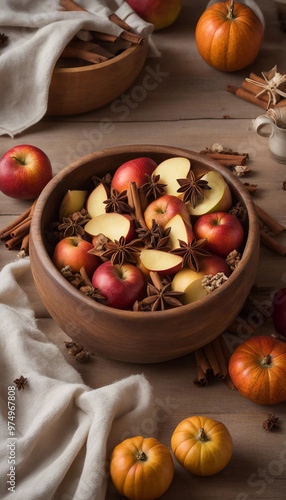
(144, 253)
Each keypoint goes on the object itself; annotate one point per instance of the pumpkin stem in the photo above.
(141, 456)
(267, 360)
(202, 435)
(230, 12)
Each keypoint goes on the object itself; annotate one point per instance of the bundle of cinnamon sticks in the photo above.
(213, 359)
(17, 233)
(248, 91)
(90, 51)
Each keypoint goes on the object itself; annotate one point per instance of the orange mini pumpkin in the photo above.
(229, 36)
(201, 445)
(141, 468)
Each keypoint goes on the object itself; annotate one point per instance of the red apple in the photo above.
(24, 172)
(120, 285)
(279, 311)
(161, 13)
(164, 209)
(133, 171)
(73, 252)
(223, 231)
(213, 264)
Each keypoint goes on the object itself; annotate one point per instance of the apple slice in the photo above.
(94, 204)
(180, 230)
(73, 201)
(189, 282)
(112, 225)
(170, 170)
(162, 262)
(216, 199)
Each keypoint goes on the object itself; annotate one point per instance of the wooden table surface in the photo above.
(184, 104)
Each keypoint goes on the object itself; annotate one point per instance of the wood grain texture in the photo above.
(78, 90)
(186, 110)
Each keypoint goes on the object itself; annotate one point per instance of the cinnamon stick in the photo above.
(71, 5)
(72, 51)
(223, 363)
(115, 19)
(257, 78)
(212, 359)
(254, 89)
(201, 379)
(17, 221)
(25, 245)
(280, 103)
(272, 244)
(85, 277)
(234, 159)
(134, 202)
(156, 280)
(246, 96)
(202, 361)
(272, 224)
(91, 47)
(132, 38)
(104, 37)
(13, 242)
(22, 228)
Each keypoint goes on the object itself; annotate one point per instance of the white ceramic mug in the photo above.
(276, 135)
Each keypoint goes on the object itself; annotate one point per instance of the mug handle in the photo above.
(260, 122)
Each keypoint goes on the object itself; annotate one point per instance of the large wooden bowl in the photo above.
(86, 88)
(144, 337)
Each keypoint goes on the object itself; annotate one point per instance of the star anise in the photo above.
(192, 187)
(106, 181)
(3, 39)
(73, 225)
(117, 202)
(272, 422)
(190, 252)
(99, 245)
(140, 307)
(156, 237)
(91, 292)
(75, 279)
(120, 251)
(20, 382)
(153, 187)
(160, 299)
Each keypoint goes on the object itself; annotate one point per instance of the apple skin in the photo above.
(164, 209)
(121, 286)
(212, 265)
(223, 231)
(279, 311)
(73, 252)
(24, 172)
(133, 171)
(161, 13)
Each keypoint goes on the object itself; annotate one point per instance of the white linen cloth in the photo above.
(64, 429)
(38, 33)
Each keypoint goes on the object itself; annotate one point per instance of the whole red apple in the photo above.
(161, 13)
(24, 172)
(120, 285)
(133, 171)
(279, 311)
(73, 252)
(164, 209)
(223, 231)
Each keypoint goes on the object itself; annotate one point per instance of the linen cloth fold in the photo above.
(38, 33)
(64, 429)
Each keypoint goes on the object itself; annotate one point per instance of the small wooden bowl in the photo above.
(145, 337)
(86, 88)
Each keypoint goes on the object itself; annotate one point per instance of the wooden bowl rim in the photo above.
(144, 150)
(94, 67)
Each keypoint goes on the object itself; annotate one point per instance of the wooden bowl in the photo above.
(86, 88)
(144, 337)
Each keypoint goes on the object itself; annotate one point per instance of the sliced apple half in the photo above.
(180, 230)
(170, 170)
(189, 282)
(73, 201)
(216, 199)
(112, 225)
(95, 202)
(161, 262)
